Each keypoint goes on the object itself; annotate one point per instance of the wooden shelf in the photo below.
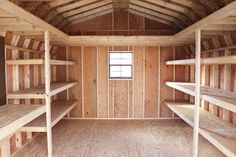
(38, 92)
(13, 117)
(216, 60)
(219, 97)
(38, 62)
(59, 110)
(219, 132)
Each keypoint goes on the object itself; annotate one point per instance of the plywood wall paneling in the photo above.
(111, 99)
(121, 99)
(90, 81)
(75, 73)
(166, 75)
(138, 81)
(151, 82)
(103, 77)
(121, 20)
(179, 70)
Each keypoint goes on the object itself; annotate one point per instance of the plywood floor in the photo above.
(87, 138)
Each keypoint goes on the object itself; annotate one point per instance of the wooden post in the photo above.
(5, 148)
(197, 92)
(47, 90)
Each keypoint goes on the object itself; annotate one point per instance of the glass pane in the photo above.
(120, 58)
(121, 71)
(126, 71)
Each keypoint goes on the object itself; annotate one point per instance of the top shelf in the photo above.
(38, 62)
(219, 97)
(216, 60)
(13, 117)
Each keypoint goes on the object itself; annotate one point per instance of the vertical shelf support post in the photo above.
(47, 90)
(197, 92)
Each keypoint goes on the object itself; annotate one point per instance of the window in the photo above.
(120, 65)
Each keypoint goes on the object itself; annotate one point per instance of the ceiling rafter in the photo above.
(174, 14)
(154, 18)
(71, 13)
(156, 14)
(181, 9)
(197, 8)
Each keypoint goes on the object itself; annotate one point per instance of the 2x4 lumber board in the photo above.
(126, 40)
(38, 62)
(22, 49)
(75, 5)
(13, 117)
(224, 99)
(17, 11)
(92, 16)
(38, 92)
(216, 60)
(220, 133)
(87, 8)
(59, 110)
(47, 76)
(13, 21)
(220, 49)
(211, 19)
(197, 93)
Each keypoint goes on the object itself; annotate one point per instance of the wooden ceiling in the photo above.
(177, 13)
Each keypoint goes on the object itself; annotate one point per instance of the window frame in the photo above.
(120, 65)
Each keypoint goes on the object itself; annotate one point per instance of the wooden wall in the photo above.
(120, 22)
(219, 76)
(140, 97)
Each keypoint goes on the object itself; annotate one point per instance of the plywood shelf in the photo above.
(13, 117)
(38, 92)
(219, 97)
(216, 60)
(219, 132)
(38, 62)
(60, 109)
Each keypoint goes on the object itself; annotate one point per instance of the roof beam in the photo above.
(152, 17)
(92, 16)
(87, 8)
(175, 7)
(91, 12)
(75, 5)
(162, 10)
(153, 13)
(211, 19)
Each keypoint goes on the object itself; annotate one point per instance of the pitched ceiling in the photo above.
(177, 13)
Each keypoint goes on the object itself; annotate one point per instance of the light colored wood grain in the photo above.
(60, 109)
(167, 138)
(220, 133)
(39, 91)
(151, 81)
(13, 117)
(90, 81)
(224, 99)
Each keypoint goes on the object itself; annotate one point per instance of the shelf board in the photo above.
(38, 92)
(216, 60)
(219, 97)
(38, 62)
(59, 110)
(13, 117)
(219, 132)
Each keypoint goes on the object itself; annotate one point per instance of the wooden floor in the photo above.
(87, 138)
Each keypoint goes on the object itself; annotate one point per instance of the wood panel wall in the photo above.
(140, 97)
(219, 76)
(120, 22)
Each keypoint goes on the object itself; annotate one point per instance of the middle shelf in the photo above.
(38, 92)
(38, 62)
(60, 109)
(219, 97)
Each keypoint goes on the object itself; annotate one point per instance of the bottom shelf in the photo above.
(220, 133)
(59, 110)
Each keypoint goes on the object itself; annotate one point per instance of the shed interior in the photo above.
(145, 78)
